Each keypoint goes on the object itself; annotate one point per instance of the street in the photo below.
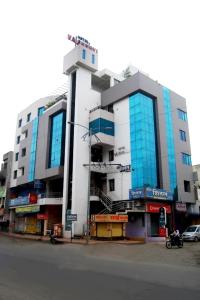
(39, 270)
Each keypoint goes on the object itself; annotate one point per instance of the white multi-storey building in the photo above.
(115, 145)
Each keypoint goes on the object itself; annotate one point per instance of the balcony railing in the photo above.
(51, 195)
(20, 201)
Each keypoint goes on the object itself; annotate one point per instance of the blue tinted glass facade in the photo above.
(182, 115)
(143, 141)
(170, 140)
(56, 144)
(102, 125)
(186, 159)
(31, 172)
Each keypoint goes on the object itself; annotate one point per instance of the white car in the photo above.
(192, 233)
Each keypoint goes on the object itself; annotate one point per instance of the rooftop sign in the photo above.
(78, 40)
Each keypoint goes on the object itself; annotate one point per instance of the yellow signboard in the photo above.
(109, 218)
(27, 209)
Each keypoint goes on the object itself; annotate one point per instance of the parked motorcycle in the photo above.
(54, 239)
(174, 241)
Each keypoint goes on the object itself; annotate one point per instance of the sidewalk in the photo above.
(73, 241)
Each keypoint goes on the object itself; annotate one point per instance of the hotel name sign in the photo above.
(78, 40)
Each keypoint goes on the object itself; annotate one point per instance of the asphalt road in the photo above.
(36, 270)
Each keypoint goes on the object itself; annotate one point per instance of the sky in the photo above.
(159, 37)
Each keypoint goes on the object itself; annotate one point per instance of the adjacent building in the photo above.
(194, 210)
(5, 177)
(38, 163)
(113, 145)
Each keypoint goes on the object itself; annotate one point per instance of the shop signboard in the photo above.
(158, 194)
(27, 209)
(68, 224)
(72, 217)
(38, 184)
(181, 207)
(136, 193)
(155, 207)
(19, 201)
(150, 193)
(42, 216)
(32, 198)
(110, 218)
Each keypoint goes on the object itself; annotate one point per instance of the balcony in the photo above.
(50, 199)
(40, 199)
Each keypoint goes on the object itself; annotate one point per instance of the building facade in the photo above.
(5, 177)
(116, 145)
(194, 210)
(38, 163)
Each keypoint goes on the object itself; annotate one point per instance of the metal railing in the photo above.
(51, 195)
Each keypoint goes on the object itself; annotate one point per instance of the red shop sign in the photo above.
(32, 198)
(154, 207)
(42, 216)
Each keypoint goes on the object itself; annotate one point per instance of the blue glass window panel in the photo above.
(170, 140)
(83, 54)
(41, 110)
(56, 140)
(102, 125)
(186, 159)
(182, 135)
(143, 141)
(182, 115)
(93, 59)
(31, 172)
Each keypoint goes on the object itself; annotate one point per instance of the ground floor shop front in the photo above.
(35, 219)
(108, 226)
(145, 222)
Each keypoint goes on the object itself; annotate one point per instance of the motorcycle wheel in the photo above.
(168, 245)
(53, 241)
(180, 244)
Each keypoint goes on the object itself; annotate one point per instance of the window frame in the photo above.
(186, 159)
(182, 135)
(23, 153)
(83, 54)
(93, 59)
(16, 156)
(111, 155)
(111, 183)
(28, 117)
(187, 186)
(20, 123)
(182, 114)
(15, 174)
